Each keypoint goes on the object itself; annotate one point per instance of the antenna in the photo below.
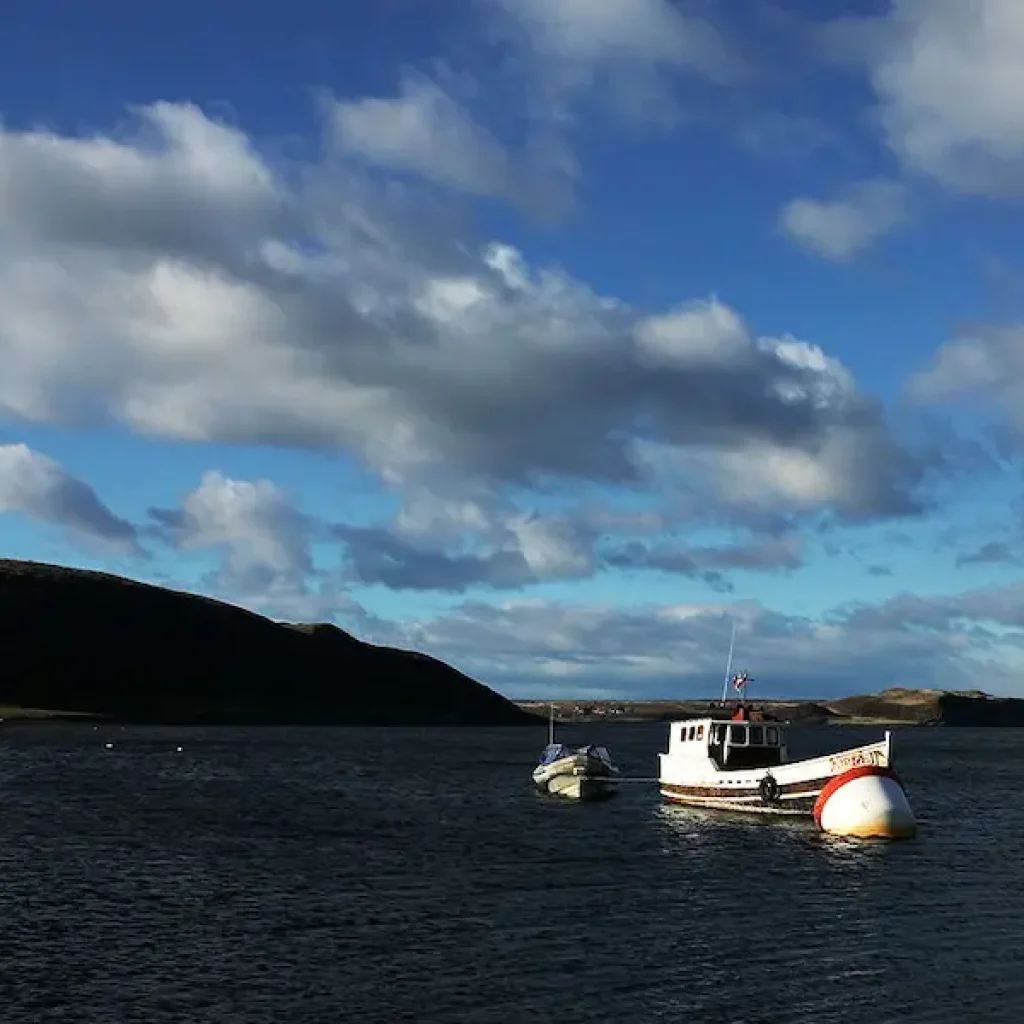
(728, 663)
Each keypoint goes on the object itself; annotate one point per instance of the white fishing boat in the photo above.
(575, 773)
(742, 764)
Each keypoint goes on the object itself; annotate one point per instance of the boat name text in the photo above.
(842, 762)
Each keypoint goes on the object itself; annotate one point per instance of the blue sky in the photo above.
(547, 336)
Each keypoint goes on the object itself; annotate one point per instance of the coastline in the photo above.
(896, 707)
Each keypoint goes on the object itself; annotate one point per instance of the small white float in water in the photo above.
(866, 802)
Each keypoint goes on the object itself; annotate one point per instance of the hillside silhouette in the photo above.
(89, 642)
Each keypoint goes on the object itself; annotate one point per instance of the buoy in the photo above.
(109, 746)
(867, 802)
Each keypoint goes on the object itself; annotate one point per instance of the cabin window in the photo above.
(757, 736)
(773, 736)
(737, 734)
(700, 732)
(691, 732)
(719, 736)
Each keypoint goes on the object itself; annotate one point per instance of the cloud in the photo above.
(264, 544)
(947, 76)
(530, 647)
(640, 62)
(760, 554)
(424, 130)
(173, 284)
(840, 228)
(595, 35)
(994, 552)
(1001, 606)
(986, 364)
(36, 486)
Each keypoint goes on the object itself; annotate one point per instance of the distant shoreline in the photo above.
(893, 707)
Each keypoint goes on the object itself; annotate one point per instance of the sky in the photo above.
(549, 337)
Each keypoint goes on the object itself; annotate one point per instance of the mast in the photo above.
(728, 663)
(551, 723)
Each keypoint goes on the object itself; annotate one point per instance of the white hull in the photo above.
(788, 789)
(576, 778)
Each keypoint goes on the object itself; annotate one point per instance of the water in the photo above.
(294, 876)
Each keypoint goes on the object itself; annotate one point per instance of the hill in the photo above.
(932, 707)
(78, 641)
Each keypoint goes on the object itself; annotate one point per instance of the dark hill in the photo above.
(81, 641)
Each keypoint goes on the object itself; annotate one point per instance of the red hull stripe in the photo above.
(838, 781)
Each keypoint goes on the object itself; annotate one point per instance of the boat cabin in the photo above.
(731, 745)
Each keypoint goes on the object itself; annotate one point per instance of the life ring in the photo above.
(770, 789)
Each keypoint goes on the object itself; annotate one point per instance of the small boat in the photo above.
(742, 764)
(575, 773)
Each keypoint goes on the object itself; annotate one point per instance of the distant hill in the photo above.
(899, 705)
(933, 707)
(88, 642)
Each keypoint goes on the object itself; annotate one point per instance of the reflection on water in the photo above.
(387, 875)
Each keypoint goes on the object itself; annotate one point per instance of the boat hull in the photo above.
(795, 806)
(576, 778)
(792, 792)
(580, 787)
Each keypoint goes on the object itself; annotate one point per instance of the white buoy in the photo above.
(109, 746)
(866, 802)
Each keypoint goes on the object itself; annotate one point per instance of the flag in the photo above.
(740, 683)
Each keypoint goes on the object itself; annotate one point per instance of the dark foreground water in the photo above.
(356, 875)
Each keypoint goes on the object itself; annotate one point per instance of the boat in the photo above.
(575, 773)
(741, 764)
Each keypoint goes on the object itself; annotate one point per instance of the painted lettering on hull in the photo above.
(844, 762)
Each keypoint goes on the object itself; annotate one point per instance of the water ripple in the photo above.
(369, 875)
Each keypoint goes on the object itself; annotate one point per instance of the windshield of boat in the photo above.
(555, 752)
(753, 735)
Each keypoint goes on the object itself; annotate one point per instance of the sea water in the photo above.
(365, 875)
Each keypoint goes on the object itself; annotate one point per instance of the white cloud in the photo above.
(593, 34)
(701, 334)
(426, 131)
(457, 543)
(840, 228)
(525, 648)
(36, 486)
(264, 544)
(986, 364)
(137, 283)
(637, 62)
(948, 78)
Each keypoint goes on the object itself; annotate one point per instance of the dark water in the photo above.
(347, 875)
